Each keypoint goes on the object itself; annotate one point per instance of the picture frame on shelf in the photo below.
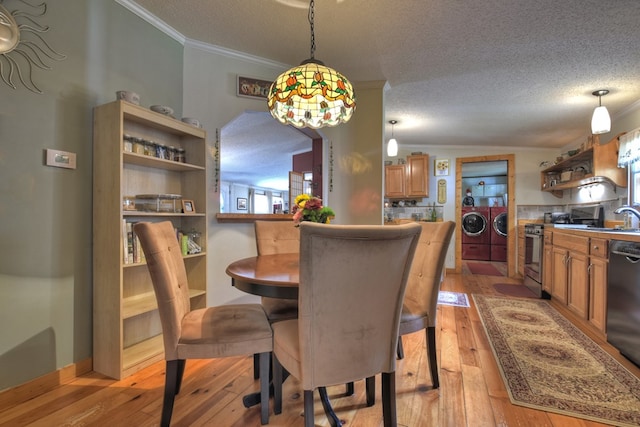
(242, 204)
(188, 207)
(250, 87)
(441, 167)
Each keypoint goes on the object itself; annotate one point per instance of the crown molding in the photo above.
(141, 12)
(153, 20)
(196, 44)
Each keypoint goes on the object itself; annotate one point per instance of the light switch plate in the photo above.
(61, 159)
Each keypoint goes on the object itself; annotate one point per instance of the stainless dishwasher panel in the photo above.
(623, 298)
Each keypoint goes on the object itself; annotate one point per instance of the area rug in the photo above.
(514, 290)
(549, 364)
(484, 269)
(455, 299)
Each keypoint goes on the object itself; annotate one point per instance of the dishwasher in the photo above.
(623, 298)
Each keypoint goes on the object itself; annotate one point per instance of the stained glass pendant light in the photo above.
(311, 95)
(600, 121)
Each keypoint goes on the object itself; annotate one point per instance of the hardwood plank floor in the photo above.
(471, 391)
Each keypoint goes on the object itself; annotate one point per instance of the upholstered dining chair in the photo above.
(421, 296)
(212, 332)
(352, 282)
(278, 237)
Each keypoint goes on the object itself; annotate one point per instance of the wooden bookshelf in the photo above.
(127, 335)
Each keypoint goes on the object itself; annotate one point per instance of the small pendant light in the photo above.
(392, 146)
(600, 121)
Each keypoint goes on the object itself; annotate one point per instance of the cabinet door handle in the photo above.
(589, 269)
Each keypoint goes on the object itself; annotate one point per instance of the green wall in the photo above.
(45, 212)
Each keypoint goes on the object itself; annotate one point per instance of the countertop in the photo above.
(630, 236)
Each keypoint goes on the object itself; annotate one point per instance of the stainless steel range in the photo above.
(533, 257)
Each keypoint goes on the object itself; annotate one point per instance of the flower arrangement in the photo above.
(309, 208)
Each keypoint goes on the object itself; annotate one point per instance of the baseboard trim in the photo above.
(19, 394)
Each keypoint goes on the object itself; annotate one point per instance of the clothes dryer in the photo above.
(498, 219)
(476, 238)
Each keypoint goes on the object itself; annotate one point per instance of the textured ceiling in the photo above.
(489, 72)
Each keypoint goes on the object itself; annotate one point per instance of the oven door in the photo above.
(533, 254)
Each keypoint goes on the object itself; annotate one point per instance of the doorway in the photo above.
(510, 205)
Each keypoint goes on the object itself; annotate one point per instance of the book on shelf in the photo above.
(133, 253)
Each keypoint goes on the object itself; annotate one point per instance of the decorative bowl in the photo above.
(191, 121)
(162, 109)
(129, 96)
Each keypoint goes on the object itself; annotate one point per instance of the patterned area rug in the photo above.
(514, 290)
(455, 299)
(549, 364)
(484, 269)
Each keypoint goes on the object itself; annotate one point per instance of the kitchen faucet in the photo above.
(631, 209)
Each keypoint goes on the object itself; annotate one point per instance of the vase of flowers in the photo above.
(310, 208)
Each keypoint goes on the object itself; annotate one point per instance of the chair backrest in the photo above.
(169, 277)
(277, 237)
(352, 282)
(421, 296)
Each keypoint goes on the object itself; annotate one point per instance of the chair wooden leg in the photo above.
(264, 387)
(277, 385)
(400, 349)
(181, 364)
(170, 386)
(350, 389)
(370, 383)
(389, 399)
(431, 350)
(256, 366)
(308, 409)
(334, 421)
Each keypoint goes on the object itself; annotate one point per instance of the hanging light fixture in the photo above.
(600, 121)
(311, 94)
(392, 145)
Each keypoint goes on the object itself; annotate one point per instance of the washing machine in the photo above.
(498, 232)
(476, 233)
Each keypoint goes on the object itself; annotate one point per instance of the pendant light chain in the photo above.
(313, 36)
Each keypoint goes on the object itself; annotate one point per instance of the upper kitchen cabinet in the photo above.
(408, 180)
(598, 163)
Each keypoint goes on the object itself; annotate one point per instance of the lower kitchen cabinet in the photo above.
(598, 270)
(570, 266)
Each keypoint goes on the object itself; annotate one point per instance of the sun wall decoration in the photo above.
(22, 46)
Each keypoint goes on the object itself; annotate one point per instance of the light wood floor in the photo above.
(471, 390)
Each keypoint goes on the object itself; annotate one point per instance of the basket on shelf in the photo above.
(566, 175)
(578, 173)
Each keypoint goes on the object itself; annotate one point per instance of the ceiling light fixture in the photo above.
(311, 94)
(392, 146)
(600, 121)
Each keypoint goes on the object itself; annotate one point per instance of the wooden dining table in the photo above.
(275, 276)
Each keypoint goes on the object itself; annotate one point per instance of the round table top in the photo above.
(275, 276)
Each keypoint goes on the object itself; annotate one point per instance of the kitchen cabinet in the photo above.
(570, 265)
(598, 270)
(408, 180)
(598, 163)
(395, 181)
(127, 334)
